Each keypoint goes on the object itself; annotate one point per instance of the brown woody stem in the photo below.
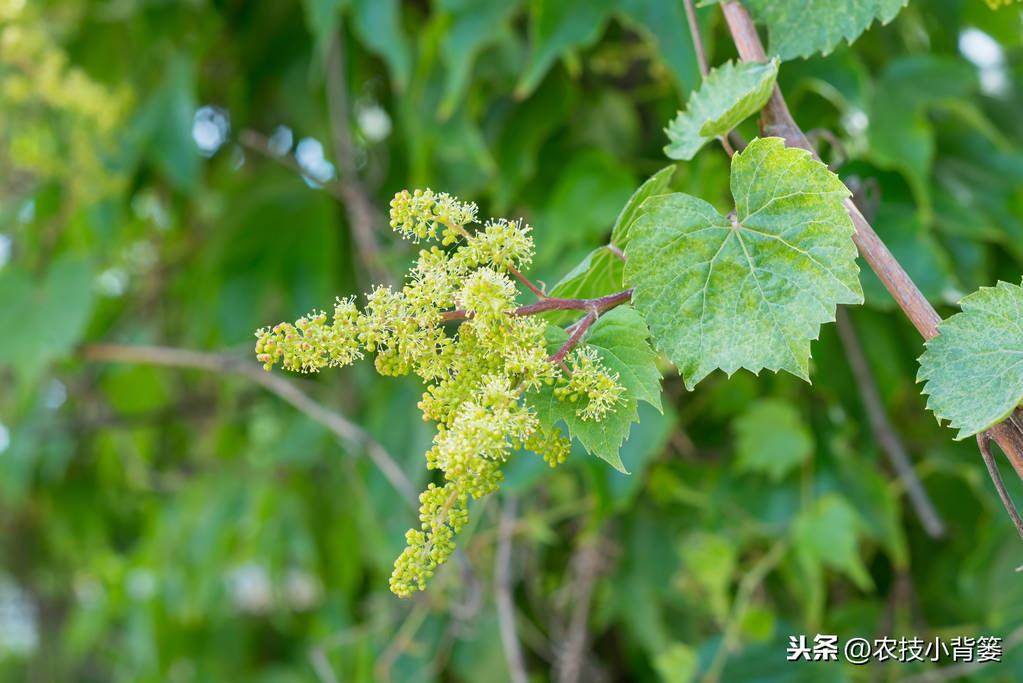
(577, 334)
(996, 479)
(527, 283)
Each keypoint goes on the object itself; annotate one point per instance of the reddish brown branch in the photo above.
(600, 304)
(527, 283)
(777, 120)
(577, 334)
(996, 479)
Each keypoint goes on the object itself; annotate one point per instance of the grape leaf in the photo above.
(799, 29)
(729, 94)
(826, 534)
(973, 369)
(771, 438)
(750, 291)
(620, 337)
(653, 186)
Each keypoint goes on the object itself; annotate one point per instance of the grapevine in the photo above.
(477, 376)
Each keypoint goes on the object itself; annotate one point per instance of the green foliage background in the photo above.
(179, 525)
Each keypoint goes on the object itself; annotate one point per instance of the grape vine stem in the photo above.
(884, 433)
(996, 477)
(362, 215)
(579, 329)
(701, 59)
(352, 435)
(593, 307)
(777, 120)
(550, 303)
(527, 283)
(503, 593)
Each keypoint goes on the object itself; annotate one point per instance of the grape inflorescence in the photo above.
(478, 376)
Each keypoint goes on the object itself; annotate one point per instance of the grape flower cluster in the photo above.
(478, 375)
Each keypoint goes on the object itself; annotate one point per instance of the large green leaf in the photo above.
(973, 369)
(748, 291)
(799, 29)
(620, 337)
(729, 94)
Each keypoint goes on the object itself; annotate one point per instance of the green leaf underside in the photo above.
(973, 370)
(601, 271)
(653, 186)
(752, 293)
(598, 274)
(728, 95)
(800, 29)
(620, 337)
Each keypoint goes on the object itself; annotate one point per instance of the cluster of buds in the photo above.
(476, 378)
(590, 380)
(420, 214)
(311, 343)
